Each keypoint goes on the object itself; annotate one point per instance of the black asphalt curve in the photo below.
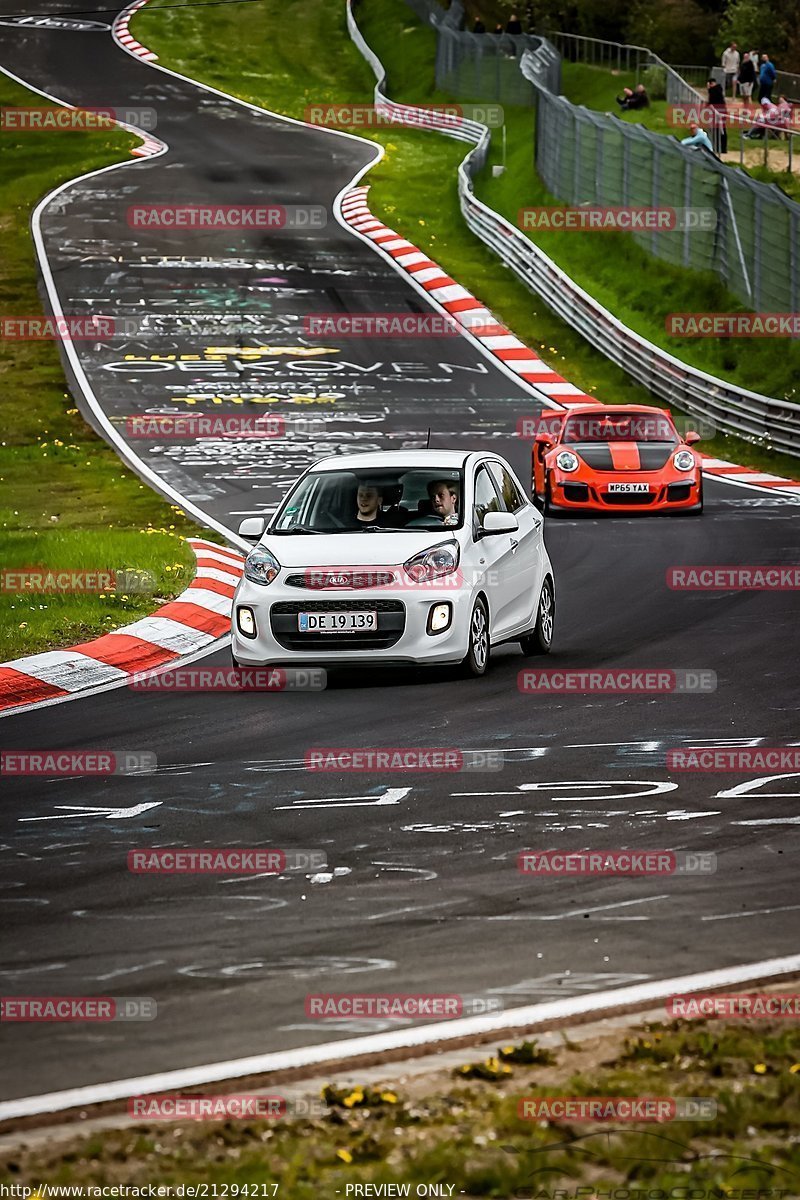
(422, 891)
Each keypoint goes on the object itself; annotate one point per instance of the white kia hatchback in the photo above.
(418, 556)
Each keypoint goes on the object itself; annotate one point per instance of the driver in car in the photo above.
(369, 499)
(444, 501)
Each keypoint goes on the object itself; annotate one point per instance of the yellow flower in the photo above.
(760, 1068)
(794, 1069)
(388, 1097)
(344, 1155)
(507, 1049)
(355, 1097)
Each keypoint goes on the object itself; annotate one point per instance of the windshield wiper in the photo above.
(294, 529)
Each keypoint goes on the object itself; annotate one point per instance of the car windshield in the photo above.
(373, 500)
(619, 427)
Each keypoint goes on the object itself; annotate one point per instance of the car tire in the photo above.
(698, 508)
(541, 639)
(476, 661)
(547, 506)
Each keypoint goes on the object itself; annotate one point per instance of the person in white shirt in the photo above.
(730, 65)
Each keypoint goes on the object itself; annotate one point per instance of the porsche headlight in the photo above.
(432, 564)
(260, 566)
(567, 461)
(684, 460)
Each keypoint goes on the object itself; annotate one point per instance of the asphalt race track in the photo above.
(422, 891)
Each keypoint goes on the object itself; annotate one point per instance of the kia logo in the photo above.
(336, 580)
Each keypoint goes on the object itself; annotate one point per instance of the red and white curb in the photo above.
(200, 615)
(123, 35)
(718, 468)
(461, 304)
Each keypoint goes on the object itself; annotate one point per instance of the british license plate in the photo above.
(629, 487)
(336, 622)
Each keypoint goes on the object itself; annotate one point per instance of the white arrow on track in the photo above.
(82, 810)
(390, 796)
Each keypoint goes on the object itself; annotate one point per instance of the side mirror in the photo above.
(499, 522)
(251, 528)
(691, 437)
(543, 439)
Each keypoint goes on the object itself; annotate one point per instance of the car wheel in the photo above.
(698, 508)
(540, 641)
(547, 506)
(477, 657)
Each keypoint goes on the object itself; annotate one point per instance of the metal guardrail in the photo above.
(734, 410)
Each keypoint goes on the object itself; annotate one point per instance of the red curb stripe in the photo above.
(17, 688)
(124, 651)
(456, 306)
(235, 556)
(213, 585)
(201, 619)
(216, 565)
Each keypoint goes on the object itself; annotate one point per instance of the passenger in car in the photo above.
(444, 500)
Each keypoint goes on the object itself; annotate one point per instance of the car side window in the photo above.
(513, 500)
(486, 497)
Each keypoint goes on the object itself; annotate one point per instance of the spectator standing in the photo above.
(766, 78)
(514, 25)
(730, 65)
(747, 79)
(716, 100)
(479, 26)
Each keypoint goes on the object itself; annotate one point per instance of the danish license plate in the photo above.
(336, 622)
(629, 487)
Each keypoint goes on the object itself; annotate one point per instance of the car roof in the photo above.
(392, 458)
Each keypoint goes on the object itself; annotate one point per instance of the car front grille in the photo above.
(623, 498)
(391, 624)
(316, 579)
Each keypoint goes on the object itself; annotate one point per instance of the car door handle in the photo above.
(514, 544)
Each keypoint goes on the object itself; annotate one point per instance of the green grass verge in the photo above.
(65, 498)
(464, 1130)
(288, 56)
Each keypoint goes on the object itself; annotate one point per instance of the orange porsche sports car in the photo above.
(604, 459)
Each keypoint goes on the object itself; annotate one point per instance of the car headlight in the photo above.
(684, 460)
(567, 461)
(260, 566)
(432, 564)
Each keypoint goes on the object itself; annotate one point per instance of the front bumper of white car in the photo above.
(403, 633)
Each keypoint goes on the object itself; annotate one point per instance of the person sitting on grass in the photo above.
(633, 98)
(767, 120)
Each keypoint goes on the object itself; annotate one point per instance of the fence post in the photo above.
(757, 251)
(687, 196)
